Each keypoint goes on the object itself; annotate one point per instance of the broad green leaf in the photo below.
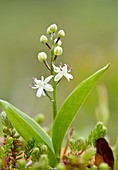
(70, 107)
(28, 128)
(116, 156)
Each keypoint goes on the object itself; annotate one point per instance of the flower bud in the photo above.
(43, 39)
(39, 118)
(103, 166)
(44, 157)
(72, 143)
(44, 148)
(94, 167)
(53, 28)
(9, 140)
(49, 31)
(88, 154)
(61, 166)
(58, 50)
(22, 164)
(59, 43)
(61, 34)
(35, 154)
(42, 56)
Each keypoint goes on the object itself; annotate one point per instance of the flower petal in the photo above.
(68, 76)
(39, 92)
(48, 79)
(35, 87)
(56, 69)
(38, 83)
(58, 77)
(48, 87)
(65, 68)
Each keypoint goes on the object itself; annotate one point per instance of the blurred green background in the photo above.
(91, 42)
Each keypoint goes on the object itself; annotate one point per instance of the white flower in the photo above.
(42, 85)
(62, 71)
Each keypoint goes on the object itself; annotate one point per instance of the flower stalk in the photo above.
(54, 103)
(56, 73)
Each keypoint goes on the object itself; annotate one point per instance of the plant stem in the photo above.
(54, 103)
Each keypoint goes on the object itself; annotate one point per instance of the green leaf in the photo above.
(70, 107)
(28, 128)
(116, 156)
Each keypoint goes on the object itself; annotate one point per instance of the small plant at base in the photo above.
(12, 145)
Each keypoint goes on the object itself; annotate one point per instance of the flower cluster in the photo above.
(56, 72)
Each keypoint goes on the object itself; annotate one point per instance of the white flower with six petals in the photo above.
(42, 85)
(62, 71)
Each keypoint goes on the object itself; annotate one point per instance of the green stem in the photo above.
(54, 103)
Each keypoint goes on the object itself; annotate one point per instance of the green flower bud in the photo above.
(6, 130)
(44, 149)
(43, 39)
(99, 125)
(104, 130)
(44, 157)
(60, 166)
(88, 154)
(22, 164)
(35, 154)
(9, 140)
(39, 118)
(94, 167)
(36, 166)
(42, 56)
(13, 132)
(72, 143)
(58, 50)
(49, 31)
(59, 43)
(61, 34)
(104, 166)
(80, 143)
(53, 28)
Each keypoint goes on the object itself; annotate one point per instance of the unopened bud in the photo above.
(88, 154)
(60, 166)
(39, 118)
(22, 164)
(59, 43)
(9, 140)
(44, 157)
(61, 34)
(43, 39)
(94, 167)
(44, 148)
(104, 166)
(49, 31)
(58, 50)
(42, 56)
(53, 28)
(72, 143)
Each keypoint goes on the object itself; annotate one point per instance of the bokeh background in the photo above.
(91, 42)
